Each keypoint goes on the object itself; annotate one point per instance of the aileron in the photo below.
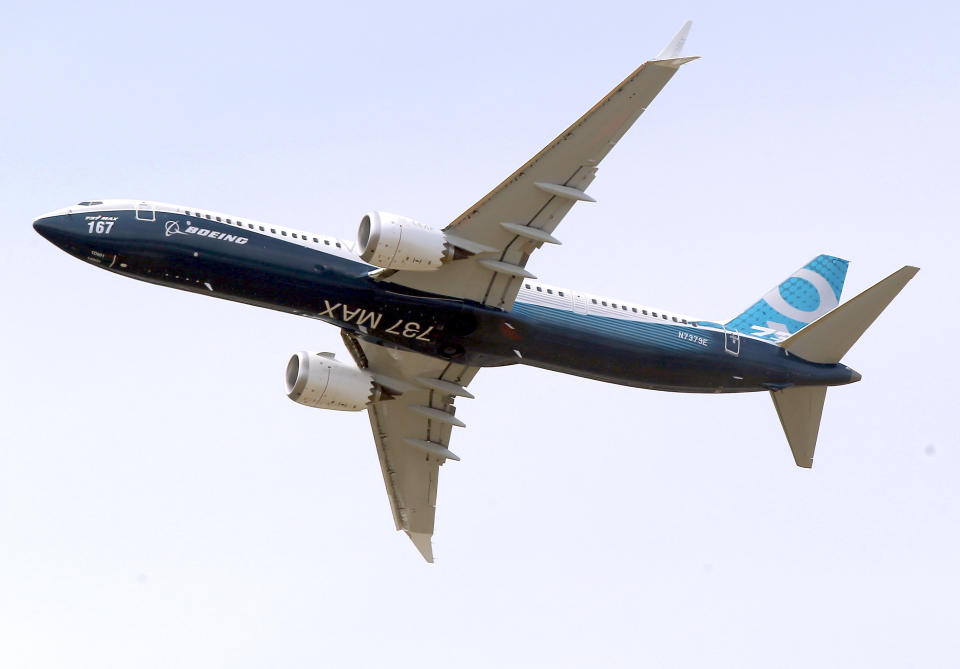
(540, 193)
(412, 431)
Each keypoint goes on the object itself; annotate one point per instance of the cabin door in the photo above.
(146, 212)
(731, 341)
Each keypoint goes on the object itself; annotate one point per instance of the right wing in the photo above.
(411, 427)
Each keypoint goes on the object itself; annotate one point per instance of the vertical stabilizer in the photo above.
(800, 410)
(800, 299)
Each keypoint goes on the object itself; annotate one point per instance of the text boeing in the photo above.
(173, 228)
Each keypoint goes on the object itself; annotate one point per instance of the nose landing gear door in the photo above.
(731, 341)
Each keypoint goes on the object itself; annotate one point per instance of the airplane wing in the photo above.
(411, 426)
(502, 230)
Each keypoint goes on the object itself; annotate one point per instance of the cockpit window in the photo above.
(89, 204)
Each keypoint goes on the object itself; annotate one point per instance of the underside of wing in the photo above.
(412, 422)
(502, 230)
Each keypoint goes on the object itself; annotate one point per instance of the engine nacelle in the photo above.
(318, 380)
(397, 242)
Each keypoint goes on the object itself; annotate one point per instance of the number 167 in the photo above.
(100, 227)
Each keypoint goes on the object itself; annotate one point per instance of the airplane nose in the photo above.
(56, 227)
(43, 226)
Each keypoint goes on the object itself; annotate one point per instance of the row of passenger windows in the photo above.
(305, 238)
(622, 307)
(549, 290)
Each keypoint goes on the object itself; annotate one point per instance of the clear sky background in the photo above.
(162, 503)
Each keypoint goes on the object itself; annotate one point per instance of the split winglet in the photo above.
(422, 541)
(675, 47)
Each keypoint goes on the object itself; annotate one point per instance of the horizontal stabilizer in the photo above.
(800, 410)
(828, 339)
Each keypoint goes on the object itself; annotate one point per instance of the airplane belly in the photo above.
(634, 353)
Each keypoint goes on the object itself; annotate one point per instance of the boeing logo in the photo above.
(173, 228)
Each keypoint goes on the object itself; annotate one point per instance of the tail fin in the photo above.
(831, 336)
(826, 341)
(804, 296)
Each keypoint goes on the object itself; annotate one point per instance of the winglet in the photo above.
(675, 47)
(423, 544)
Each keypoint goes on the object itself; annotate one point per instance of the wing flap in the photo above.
(411, 428)
(541, 192)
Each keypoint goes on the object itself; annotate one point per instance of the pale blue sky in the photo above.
(162, 503)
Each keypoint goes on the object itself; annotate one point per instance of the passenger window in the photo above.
(228, 221)
(283, 232)
(603, 303)
(273, 230)
(594, 301)
(561, 293)
(261, 229)
(327, 242)
(218, 220)
(539, 289)
(338, 245)
(634, 310)
(654, 314)
(550, 290)
(316, 241)
(645, 313)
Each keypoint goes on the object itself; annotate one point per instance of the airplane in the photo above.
(422, 310)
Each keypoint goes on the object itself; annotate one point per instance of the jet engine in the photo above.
(318, 380)
(397, 242)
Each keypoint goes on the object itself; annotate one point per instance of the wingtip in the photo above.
(675, 47)
(423, 543)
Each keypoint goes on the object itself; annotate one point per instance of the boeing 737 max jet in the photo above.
(421, 310)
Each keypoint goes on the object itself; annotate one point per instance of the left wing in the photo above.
(502, 230)
(411, 425)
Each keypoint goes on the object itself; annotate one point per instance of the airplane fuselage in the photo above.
(318, 277)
